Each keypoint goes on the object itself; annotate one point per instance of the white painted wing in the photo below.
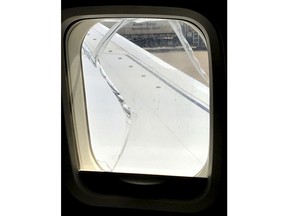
(168, 131)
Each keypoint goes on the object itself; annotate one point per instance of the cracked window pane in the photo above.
(146, 85)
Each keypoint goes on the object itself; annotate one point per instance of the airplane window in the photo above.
(146, 92)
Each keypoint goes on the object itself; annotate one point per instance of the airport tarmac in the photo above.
(180, 60)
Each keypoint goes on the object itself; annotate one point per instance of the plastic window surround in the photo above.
(72, 58)
(76, 82)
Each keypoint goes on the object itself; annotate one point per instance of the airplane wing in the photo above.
(144, 115)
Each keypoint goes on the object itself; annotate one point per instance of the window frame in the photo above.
(81, 181)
